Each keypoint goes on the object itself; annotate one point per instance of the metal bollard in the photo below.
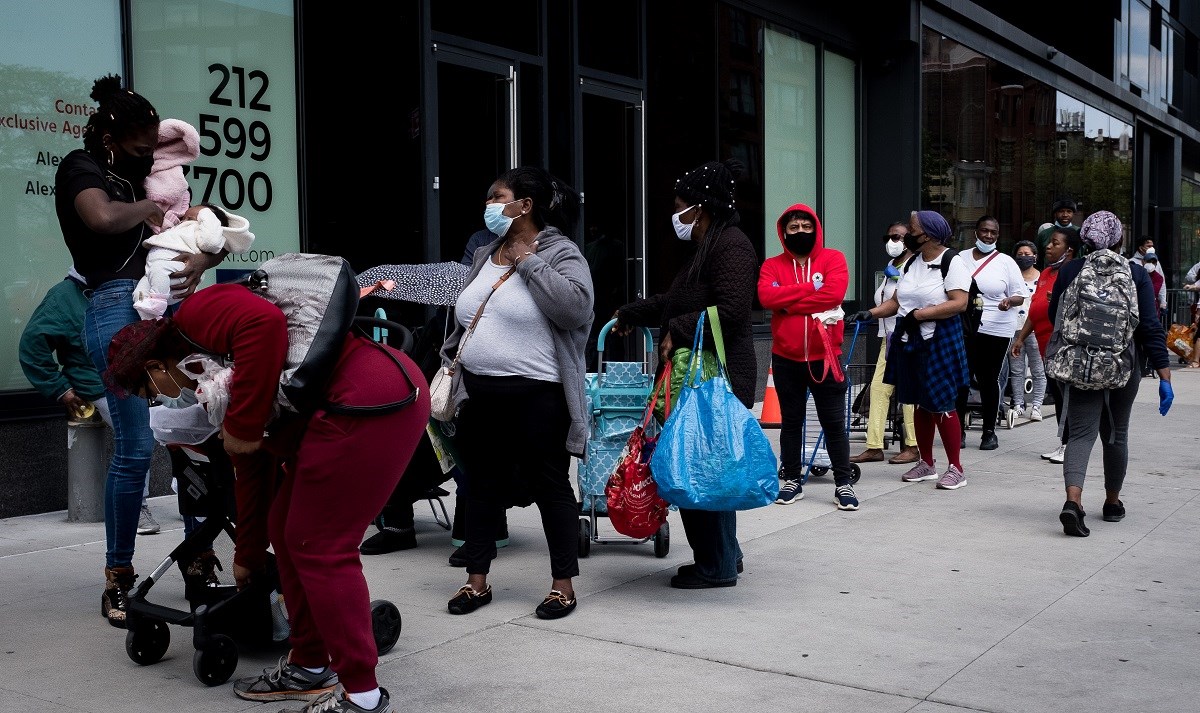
(86, 470)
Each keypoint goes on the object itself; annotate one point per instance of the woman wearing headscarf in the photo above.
(723, 272)
(1106, 411)
(927, 361)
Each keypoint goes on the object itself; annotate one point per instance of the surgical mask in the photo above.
(983, 247)
(894, 249)
(892, 271)
(186, 398)
(1025, 261)
(800, 243)
(495, 219)
(684, 230)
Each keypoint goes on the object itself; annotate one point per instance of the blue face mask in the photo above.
(983, 247)
(186, 398)
(495, 219)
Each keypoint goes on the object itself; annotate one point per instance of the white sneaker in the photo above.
(1035, 414)
(1056, 455)
(1018, 412)
(147, 525)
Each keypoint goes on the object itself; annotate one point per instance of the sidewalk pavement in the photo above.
(923, 600)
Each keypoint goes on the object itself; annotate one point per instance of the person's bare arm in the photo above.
(955, 303)
(104, 215)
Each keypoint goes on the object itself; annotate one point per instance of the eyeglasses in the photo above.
(895, 238)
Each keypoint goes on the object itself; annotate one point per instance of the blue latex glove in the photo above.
(1165, 396)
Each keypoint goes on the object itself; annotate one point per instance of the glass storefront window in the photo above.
(999, 143)
(806, 127)
(47, 67)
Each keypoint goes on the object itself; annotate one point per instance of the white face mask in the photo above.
(983, 247)
(1151, 267)
(684, 230)
(894, 249)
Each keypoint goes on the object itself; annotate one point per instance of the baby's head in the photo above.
(193, 213)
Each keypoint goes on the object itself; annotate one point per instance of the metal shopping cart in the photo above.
(816, 457)
(617, 395)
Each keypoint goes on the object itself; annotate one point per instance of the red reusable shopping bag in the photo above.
(634, 508)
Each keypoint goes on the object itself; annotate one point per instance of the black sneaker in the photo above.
(1114, 512)
(691, 580)
(790, 492)
(989, 442)
(1071, 518)
(389, 539)
(336, 702)
(287, 682)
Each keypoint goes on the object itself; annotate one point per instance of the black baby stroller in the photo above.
(220, 615)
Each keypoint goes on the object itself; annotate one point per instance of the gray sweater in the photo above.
(560, 282)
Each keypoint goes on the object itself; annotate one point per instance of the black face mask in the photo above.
(133, 168)
(800, 243)
(910, 242)
(1025, 261)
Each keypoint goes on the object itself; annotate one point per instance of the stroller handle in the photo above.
(608, 326)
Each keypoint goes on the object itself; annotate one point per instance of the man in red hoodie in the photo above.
(804, 287)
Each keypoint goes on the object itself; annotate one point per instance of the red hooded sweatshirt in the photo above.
(794, 289)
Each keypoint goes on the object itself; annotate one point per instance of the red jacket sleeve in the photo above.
(779, 291)
(231, 320)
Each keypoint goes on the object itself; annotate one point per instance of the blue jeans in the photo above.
(109, 309)
(713, 539)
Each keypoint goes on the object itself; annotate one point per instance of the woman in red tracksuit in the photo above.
(338, 470)
(799, 285)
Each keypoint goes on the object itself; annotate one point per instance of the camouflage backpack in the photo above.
(1092, 343)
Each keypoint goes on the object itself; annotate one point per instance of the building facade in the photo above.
(338, 133)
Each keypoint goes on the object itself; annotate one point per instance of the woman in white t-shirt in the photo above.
(1001, 286)
(1026, 258)
(881, 393)
(926, 359)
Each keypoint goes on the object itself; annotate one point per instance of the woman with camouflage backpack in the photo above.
(1104, 320)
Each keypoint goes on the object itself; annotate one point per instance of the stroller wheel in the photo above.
(385, 625)
(585, 538)
(147, 641)
(216, 662)
(662, 540)
(855, 473)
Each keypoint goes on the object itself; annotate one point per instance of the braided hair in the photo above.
(711, 186)
(137, 343)
(554, 202)
(122, 112)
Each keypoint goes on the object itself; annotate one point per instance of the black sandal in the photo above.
(468, 600)
(556, 605)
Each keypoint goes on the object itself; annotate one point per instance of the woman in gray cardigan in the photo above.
(522, 411)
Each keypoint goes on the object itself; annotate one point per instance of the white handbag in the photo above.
(442, 405)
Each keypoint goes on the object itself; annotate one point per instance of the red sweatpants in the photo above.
(345, 469)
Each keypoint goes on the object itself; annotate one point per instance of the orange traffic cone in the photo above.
(770, 416)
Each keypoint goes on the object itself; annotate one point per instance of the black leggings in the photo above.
(511, 442)
(985, 356)
(793, 381)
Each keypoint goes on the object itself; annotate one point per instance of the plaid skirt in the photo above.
(929, 373)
